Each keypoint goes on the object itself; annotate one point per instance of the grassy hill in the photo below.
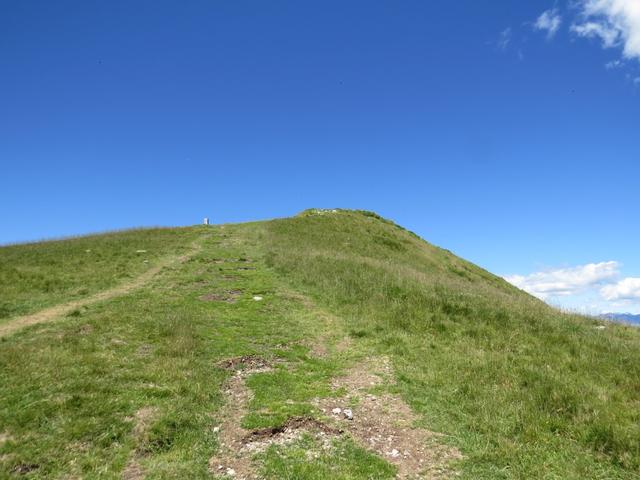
(235, 356)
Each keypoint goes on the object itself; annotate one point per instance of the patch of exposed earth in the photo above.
(228, 296)
(381, 423)
(142, 422)
(385, 424)
(238, 445)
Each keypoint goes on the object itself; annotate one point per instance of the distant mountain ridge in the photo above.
(622, 317)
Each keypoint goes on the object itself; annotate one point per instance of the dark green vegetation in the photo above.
(521, 389)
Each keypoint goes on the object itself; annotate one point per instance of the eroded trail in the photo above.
(57, 311)
(385, 424)
(382, 424)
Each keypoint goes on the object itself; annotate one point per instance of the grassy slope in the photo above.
(69, 410)
(524, 391)
(38, 275)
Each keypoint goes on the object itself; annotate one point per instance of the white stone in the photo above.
(336, 411)
(348, 414)
(394, 453)
(257, 298)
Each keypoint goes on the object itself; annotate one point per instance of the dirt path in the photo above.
(52, 313)
(384, 423)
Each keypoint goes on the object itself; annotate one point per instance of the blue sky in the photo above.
(506, 131)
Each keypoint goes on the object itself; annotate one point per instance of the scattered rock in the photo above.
(348, 414)
(141, 251)
(257, 298)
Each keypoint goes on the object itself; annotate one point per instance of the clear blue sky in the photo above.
(483, 127)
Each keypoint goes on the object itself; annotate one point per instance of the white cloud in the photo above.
(565, 281)
(549, 21)
(505, 38)
(626, 289)
(615, 22)
(613, 64)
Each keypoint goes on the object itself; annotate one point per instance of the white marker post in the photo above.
(206, 221)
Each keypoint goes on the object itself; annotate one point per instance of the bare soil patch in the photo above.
(386, 425)
(237, 445)
(231, 459)
(143, 420)
(248, 364)
(293, 424)
(228, 296)
(24, 468)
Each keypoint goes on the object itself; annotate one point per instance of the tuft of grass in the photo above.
(310, 460)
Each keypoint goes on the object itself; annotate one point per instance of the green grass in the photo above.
(38, 275)
(344, 461)
(521, 389)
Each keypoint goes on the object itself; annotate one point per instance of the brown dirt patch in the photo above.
(85, 329)
(237, 445)
(293, 424)
(248, 364)
(24, 468)
(230, 458)
(144, 350)
(228, 296)
(386, 425)
(143, 420)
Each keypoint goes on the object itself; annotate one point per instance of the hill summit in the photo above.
(331, 344)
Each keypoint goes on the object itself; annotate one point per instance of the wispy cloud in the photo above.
(505, 38)
(615, 22)
(549, 21)
(614, 64)
(565, 281)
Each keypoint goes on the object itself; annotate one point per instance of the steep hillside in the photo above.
(332, 344)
